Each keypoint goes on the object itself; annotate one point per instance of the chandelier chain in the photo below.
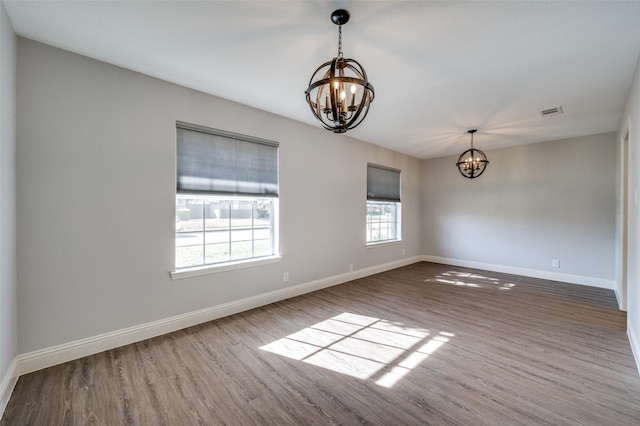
(339, 41)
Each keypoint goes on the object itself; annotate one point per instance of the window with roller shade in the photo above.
(226, 197)
(383, 204)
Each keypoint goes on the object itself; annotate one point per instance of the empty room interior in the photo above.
(210, 213)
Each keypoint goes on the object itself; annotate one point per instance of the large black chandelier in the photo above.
(472, 162)
(339, 93)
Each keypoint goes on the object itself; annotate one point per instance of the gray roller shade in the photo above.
(211, 161)
(383, 183)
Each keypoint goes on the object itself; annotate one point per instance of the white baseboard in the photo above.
(7, 384)
(619, 298)
(533, 273)
(634, 341)
(37, 360)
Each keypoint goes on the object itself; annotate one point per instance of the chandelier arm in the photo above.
(358, 111)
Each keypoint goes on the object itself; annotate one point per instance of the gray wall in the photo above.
(8, 327)
(96, 145)
(534, 203)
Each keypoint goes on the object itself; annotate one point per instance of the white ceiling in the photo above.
(438, 68)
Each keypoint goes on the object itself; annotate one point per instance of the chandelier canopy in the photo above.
(472, 162)
(339, 93)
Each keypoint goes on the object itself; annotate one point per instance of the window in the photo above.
(383, 204)
(226, 198)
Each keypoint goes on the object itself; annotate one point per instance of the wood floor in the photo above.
(423, 344)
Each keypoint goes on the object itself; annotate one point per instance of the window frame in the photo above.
(216, 136)
(397, 224)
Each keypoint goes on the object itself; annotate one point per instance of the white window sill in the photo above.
(229, 266)
(384, 243)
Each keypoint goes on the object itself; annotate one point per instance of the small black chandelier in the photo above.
(472, 162)
(339, 93)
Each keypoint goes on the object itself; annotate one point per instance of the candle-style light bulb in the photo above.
(353, 94)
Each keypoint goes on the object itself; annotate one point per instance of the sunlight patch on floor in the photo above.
(361, 346)
(472, 280)
(412, 361)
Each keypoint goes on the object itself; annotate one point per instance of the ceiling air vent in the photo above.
(550, 112)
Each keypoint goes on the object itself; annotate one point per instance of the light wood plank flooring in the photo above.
(423, 344)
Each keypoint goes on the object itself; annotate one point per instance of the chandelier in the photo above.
(472, 162)
(339, 93)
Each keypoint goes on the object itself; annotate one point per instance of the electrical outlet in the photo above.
(351, 267)
(555, 263)
(403, 252)
(285, 277)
